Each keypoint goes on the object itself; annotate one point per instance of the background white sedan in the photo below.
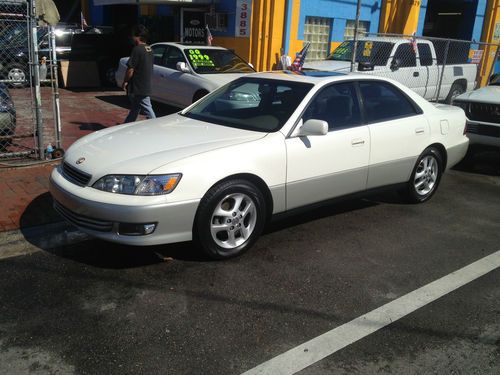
(182, 74)
(262, 145)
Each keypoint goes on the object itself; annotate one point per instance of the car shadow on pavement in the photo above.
(107, 255)
(39, 212)
(481, 160)
(122, 101)
(93, 126)
(310, 214)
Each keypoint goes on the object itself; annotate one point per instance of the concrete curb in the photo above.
(33, 239)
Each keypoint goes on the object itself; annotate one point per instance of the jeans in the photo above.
(139, 102)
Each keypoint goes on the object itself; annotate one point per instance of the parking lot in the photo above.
(95, 307)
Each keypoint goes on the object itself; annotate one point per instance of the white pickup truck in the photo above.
(418, 67)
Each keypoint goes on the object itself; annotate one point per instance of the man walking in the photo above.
(137, 81)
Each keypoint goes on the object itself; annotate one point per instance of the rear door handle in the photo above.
(416, 74)
(357, 142)
(419, 131)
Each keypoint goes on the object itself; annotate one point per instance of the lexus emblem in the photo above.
(80, 161)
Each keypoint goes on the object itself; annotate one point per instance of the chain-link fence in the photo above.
(437, 69)
(28, 83)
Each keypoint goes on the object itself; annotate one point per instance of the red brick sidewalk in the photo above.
(24, 198)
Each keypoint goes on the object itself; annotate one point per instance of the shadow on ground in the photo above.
(481, 160)
(93, 126)
(39, 212)
(122, 101)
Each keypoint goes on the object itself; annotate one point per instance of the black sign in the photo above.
(193, 26)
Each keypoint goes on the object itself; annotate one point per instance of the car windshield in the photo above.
(210, 61)
(252, 104)
(376, 53)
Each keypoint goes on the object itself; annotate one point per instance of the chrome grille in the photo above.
(486, 112)
(74, 175)
(83, 221)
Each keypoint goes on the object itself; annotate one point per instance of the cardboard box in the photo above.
(79, 74)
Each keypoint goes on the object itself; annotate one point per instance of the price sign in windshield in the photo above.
(198, 59)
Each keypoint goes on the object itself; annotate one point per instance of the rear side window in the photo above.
(424, 51)
(406, 55)
(383, 102)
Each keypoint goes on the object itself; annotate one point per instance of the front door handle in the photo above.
(416, 74)
(419, 131)
(357, 142)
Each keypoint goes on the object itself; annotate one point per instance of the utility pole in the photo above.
(355, 44)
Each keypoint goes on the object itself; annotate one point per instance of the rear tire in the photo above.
(456, 90)
(425, 176)
(230, 218)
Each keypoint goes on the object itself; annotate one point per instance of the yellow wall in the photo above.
(491, 19)
(399, 17)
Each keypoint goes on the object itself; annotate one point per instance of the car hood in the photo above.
(488, 94)
(329, 65)
(142, 147)
(221, 79)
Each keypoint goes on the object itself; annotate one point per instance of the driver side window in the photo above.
(173, 56)
(336, 104)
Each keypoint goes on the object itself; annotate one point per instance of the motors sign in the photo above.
(193, 26)
(243, 13)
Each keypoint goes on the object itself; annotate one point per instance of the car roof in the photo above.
(188, 46)
(390, 39)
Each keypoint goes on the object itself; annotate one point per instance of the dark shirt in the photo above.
(141, 60)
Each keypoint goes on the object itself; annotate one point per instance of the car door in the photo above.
(404, 69)
(171, 85)
(399, 132)
(335, 164)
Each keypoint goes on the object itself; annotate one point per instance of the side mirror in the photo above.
(365, 66)
(395, 64)
(182, 67)
(313, 127)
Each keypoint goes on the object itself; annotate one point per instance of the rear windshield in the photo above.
(376, 53)
(209, 61)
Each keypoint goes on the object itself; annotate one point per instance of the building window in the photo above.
(216, 21)
(317, 32)
(350, 26)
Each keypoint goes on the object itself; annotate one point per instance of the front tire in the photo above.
(425, 176)
(230, 218)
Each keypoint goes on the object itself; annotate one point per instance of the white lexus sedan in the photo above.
(182, 74)
(263, 144)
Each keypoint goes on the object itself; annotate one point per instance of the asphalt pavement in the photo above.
(83, 306)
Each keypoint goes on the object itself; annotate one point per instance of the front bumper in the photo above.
(100, 213)
(482, 133)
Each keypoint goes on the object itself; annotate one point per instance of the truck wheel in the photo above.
(456, 90)
(17, 75)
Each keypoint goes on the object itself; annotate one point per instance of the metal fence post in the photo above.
(355, 45)
(55, 87)
(445, 58)
(36, 77)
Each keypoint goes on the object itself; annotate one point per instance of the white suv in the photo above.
(482, 108)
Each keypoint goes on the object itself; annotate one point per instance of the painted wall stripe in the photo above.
(314, 350)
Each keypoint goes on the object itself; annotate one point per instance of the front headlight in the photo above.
(138, 185)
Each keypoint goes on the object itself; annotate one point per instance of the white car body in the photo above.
(423, 79)
(482, 108)
(290, 168)
(181, 88)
